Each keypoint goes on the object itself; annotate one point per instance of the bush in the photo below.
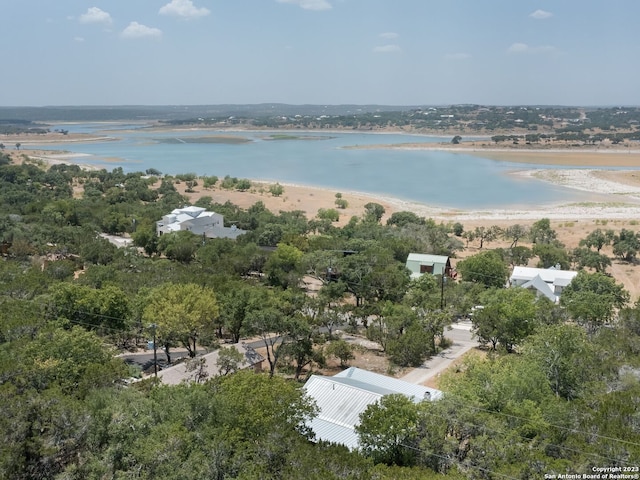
(341, 203)
(243, 184)
(276, 190)
(209, 182)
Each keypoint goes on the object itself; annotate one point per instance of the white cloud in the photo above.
(541, 14)
(78, 39)
(309, 4)
(457, 56)
(389, 35)
(95, 15)
(184, 9)
(137, 30)
(524, 48)
(387, 49)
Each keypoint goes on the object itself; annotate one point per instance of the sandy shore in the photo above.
(618, 192)
(605, 156)
(621, 201)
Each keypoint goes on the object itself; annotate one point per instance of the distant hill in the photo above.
(180, 112)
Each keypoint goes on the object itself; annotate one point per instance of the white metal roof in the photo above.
(342, 398)
(418, 392)
(426, 258)
(541, 286)
(549, 275)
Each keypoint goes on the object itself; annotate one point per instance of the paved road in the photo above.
(144, 359)
(463, 341)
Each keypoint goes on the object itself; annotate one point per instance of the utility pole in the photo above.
(154, 327)
(442, 291)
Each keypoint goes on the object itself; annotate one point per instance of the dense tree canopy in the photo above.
(69, 300)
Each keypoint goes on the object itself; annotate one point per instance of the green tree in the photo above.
(237, 301)
(401, 219)
(276, 190)
(180, 246)
(592, 299)
(330, 214)
(565, 356)
(598, 239)
(106, 309)
(373, 212)
(486, 268)
(182, 312)
(507, 317)
(411, 348)
(229, 360)
(551, 255)
(341, 350)
(486, 234)
(626, 245)
(585, 257)
(388, 430)
(283, 268)
(279, 324)
(74, 360)
(520, 255)
(515, 233)
(541, 232)
(456, 140)
(341, 203)
(147, 239)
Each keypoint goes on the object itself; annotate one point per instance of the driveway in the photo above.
(463, 341)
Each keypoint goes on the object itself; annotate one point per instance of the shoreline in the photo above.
(620, 192)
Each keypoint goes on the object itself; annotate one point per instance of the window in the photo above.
(426, 268)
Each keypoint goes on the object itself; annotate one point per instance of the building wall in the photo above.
(414, 266)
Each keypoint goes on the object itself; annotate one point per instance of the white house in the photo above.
(342, 398)
(544, 281)
(198, 221)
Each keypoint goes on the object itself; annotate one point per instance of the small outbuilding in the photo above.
(421, 263)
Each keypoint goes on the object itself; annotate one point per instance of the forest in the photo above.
(555, 391)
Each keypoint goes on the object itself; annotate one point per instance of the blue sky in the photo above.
(392, 52)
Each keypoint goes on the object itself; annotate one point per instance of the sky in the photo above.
(388, 52)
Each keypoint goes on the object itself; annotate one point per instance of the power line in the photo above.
(568, 429)
(458, 464)
(485, 427)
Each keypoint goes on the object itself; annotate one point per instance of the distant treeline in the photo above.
(465, 119)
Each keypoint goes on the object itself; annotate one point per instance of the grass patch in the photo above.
(225, 139)
(288, 136)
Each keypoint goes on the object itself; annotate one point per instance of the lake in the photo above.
(437, 178)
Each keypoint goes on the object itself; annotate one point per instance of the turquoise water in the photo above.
(437, 178)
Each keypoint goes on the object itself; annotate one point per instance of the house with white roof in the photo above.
(198, 221)
(421, 263)
(544, 281)
(342, 398)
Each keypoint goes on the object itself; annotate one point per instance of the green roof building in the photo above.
(420, 263)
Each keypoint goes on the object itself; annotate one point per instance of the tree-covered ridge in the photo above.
(557, 393)
(530, 124)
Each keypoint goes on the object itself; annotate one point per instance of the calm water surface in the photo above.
(436, 178)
